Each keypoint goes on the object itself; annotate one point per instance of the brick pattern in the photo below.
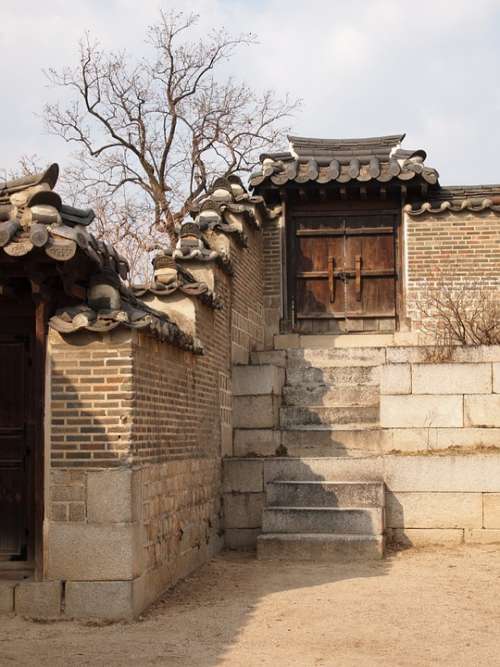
(91, 404)
(273, 266)
(462, 248)
(247, 312)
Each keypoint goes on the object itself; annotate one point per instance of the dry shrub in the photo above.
(453, 314)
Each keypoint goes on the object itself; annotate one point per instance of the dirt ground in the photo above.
(426, 607)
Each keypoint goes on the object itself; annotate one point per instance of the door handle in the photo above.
(357, 278)
(331, 278)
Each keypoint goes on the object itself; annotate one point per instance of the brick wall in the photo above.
(247, 310)
(273, 267)
(91, 400)
(129, 403)
(463, 248)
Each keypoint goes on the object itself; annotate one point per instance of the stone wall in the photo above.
(439, 427)
(427, 406)
(429, 499)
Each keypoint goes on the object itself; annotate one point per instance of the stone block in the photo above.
(410, 439)
(286, 341)
(434, 439)
(346, 442)
(455, 473)
(95, 552)
(434, 510)
(257, 380)
(395, 379)
(243, 476)
(491, 510)
(405, 355)
(336, 357)
(110, 600)
(256, 411)
(482, 410)
(496, 378)
(256, 442)
(110, 496)
(356, 340)
(241, 538)
(273, 357)
(243, 510)
(320, 547)
(468, 438)
(38, 599)
(334, 469)
(344, 521)
(421, 411)
(424, 537)
(451, 378)
(7, 596)
(239, 354)
(482, 536)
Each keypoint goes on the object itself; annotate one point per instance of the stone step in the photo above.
(324, 494)
(329, 469)
(312, 341)
(351, 521)
(291, 417)
(323, 441)
(336, 357)
(317, 547)
(303, 395)
(345, 376)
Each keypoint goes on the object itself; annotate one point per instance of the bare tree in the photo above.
(155, 132)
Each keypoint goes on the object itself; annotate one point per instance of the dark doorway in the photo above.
(19, 430)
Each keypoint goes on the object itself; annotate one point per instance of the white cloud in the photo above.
(364, 67)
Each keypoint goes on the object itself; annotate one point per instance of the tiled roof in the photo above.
(456, 199)
(33, 216)
(343, 160)
(111, 306)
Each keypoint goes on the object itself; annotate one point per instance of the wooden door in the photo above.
(344, 272)
(15, 433)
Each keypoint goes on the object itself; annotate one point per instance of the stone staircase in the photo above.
(329, 405)
(322, 520)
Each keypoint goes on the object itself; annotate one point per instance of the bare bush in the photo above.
(453, 314)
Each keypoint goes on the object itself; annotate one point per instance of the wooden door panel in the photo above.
(345, 266)
(315, 293)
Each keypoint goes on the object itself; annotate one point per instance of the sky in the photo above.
(362, 68)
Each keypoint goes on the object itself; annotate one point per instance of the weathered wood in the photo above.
(358, 277)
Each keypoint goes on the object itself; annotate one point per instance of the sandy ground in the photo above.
(427, 607)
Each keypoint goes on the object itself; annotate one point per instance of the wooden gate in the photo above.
(16, 433)
(343, 272)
